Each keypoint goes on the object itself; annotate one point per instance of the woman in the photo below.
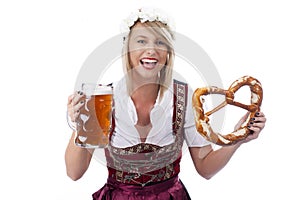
(153, 116)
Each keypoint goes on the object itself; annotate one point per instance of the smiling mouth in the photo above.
(148, 63)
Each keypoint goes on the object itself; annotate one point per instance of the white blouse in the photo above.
(161, 134)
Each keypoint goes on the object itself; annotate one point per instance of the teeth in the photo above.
(149, 61)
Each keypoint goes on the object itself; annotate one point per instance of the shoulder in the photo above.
(119, 86)
(182, 83)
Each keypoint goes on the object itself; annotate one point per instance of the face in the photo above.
(147, 51)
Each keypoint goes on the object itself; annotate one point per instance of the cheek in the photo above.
(133, 47)
(164, 57)
(133, 58)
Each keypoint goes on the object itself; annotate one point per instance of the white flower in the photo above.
(144, 15)
(132, 18)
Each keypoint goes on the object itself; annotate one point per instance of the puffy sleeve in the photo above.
(191, 136)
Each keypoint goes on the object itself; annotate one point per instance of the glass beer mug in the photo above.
(93, 125)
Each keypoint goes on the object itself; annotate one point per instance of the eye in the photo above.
(141, 41)
(161, 43)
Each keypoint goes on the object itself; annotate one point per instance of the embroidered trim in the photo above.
(180, 96)
(143, 179)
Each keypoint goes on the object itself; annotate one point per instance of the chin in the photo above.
(145, 73)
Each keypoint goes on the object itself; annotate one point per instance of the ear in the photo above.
(167, 60)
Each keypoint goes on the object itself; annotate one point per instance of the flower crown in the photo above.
(144, 15)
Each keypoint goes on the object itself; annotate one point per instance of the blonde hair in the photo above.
(165, 76)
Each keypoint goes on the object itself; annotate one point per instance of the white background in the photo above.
(44, 43)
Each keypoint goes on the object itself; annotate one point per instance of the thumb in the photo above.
(241, 121)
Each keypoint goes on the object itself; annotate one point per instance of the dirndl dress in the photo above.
(146, 171)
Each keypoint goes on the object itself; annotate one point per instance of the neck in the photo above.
(144, 87)
(145, 92)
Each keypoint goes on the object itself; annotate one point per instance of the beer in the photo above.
(94, 121)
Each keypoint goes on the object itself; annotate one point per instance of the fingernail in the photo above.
(82, 102)
(248, 126)
(256, 114)
(81, 93)
(251, 122)
(78, 92)
(77, 111)
(253, 119)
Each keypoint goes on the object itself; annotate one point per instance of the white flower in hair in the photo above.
(144, 15)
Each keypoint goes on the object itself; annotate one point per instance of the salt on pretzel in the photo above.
(202, 119)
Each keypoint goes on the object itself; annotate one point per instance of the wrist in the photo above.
(71, 124)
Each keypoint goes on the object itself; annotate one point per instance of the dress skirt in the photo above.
(169, 189)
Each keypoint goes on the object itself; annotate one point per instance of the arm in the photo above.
(77, 159)
(208, 161)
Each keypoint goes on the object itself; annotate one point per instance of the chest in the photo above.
(137, 122)
(143, 114)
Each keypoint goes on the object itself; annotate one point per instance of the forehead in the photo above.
(141, 29)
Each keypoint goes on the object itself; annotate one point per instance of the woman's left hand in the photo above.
(256, 125)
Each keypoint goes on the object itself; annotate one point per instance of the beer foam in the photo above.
(99, 90)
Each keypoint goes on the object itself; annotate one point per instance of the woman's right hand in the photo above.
(77, 159)
(75, 103)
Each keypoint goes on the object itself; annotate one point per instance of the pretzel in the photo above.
(202, 119)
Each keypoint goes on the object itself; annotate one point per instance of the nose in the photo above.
(151, 49)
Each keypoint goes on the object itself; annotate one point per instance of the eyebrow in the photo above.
(145, 37)
(142, 36)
